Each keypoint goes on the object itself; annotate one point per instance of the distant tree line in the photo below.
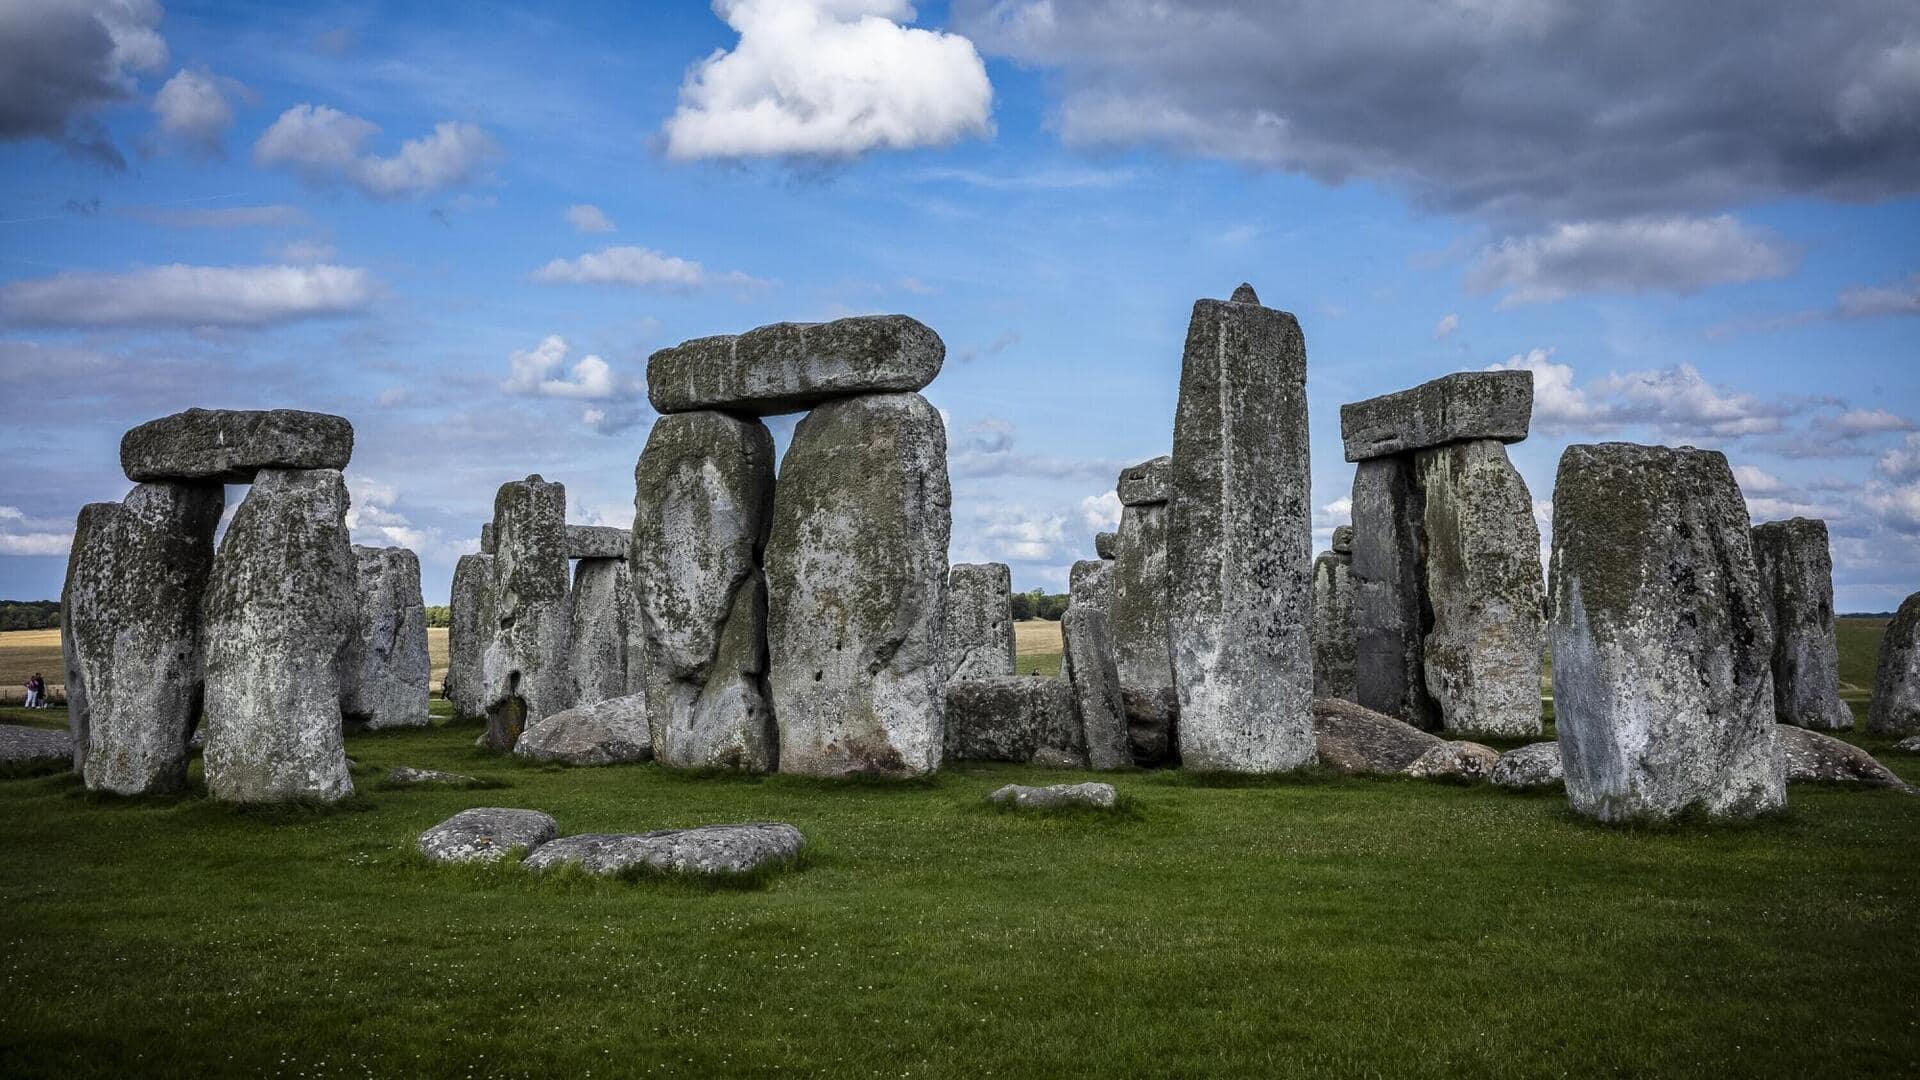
(1039, 605)
(440, 616)
(29, 614)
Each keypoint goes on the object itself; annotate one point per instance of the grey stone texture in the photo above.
(524, 668)
(1662, 655)
(857, 578)
(1090, 582)
(1106, 545)
(486, 538)
(1461, 407)
(487, 834)
(408, 776)
(1389, 620)
(791, 367)
(1343, 539)
(387, 680)
(598, 611)
(1092, 795)
(1811, 757)
(1333, 626)
(1086, 665)
(470, 629)
(1908, 745)
(280, 611)
(1148, 483)
(229, 446)
(131, 634)
(1483, 586)
(1353, 739)
(979, 620)
(30, 749)
(598, 542)
(609, 732)
(1534, 765)
(1013, 718)
(1796, 570)
(1465, 761)
(1240, 543)
(1895, 708)
(703, 506)
(1142, 650)
(705, 851)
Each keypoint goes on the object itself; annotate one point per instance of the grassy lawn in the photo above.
(1037, 647)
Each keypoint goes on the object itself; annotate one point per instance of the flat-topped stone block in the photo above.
(32, 749)
(707, 851)
(487, 834)
(1095, 795)
(1146, 483)
(229, 446)
(1453, 408)
(598, 542)
(1012, 718)
(791, 367)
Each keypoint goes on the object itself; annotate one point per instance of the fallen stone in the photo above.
(1095, 795)
(856, 573)
(791, 367)
(1389, 533)
(703, 504)
(1796, 572)
(1895, 708)
(1086, 665)
(1013, 718)
(1662, 656)
(408, 776)
(1137, 615)
(1353, 739)
(610, 732)
(1908, 745)
(1333, 626)
(705, 851)
(598, 610)
(524, 669)
(230, 446)
(470, 629)
(598, 542)
(1240, 543)
(1811, 757)
(32, 749)
(1534, 765)
(487, 834)
(1468, 761)
(979, 621)
(280, 609)
(1460, 407)
(131, 635)
(389, 675)
(1106, 544)
(1148, 483)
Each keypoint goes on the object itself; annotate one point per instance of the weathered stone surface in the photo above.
(598, 613)
(1333, 626)
(486, 538)
(1908, 745)
(229, 446)
(790, 367)
(1137, 615)
(1106, 545)
(979, 621)
(610, 732)
(857, 581)
(1662, 680)
(703, 504)
(1090, 582)
(1240, 543)
(470, 629)
(1810, 757)
(708, 850)
(1086, 665)
(280, 609)
(1343, 539)
(1483, 645)
(487, 834)
(598, 542)
(1455, 761)
(1013, 718)
(524, 668)
(1796, 571)
(1095, 795)
(1895, 708)
(1148, 483)
(1389, 631)
(1531, 766)
(408, 776)
(387, 680)
(1463, 406)
(131, 637)
(1353, 739)
(32, 749)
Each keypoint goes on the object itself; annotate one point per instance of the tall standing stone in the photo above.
(1390, 617)
(1796, 570)
(703, 502)
(387, 681)
(1483, 649)
(1138, 611)
(278, 615)
(470, 630)
(1333, 625)
(599, 610)
(1087, 664)
(979, 621)
(1895, 709)
(1240, 541)
(1662, 681)
(130, 632)
(525, 665)
(856, 579)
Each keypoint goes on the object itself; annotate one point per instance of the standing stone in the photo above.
(1137, 616)
(1240, 542)
(979, 621)
(1895, 709)
(790, 367)
(1796, 570)
(1333, 625)
(1086, 663)
(856, 579)
(1090, 583)
(388, 675)
(601, 604)
(703, 500)
(1023, 718)
(525, 665)
(130, 632)
(1461, 407)
(1389, 613)
(1662, 681)
(470, 630)
(279, 613)
(229, 446)
(486, 538)
(1106, 544)
(1482, 651)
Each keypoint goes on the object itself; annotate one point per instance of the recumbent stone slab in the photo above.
(487, 834)
(388, 676)
(610, 732)
(1796, 570)
(1013, 718)
(408, 776)
(1531, 766)
(1353, 739)
(470, 629)
(598, 542)
(30, 749)
(524, 669)
(1147, 483)
(790, 367)
(229, 446)
(1895, 708)
(706, 851)
(1811, 757)
(598, 611)
(1095, 795)
(1453, 408)
(979, 620)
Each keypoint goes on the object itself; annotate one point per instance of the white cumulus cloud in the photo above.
(194, 111)
(24, 535)
(616, 399)
(1445, 328)
(1678, 254)
(325, 146)
(588, 218)
(182, 295)
(637, 266)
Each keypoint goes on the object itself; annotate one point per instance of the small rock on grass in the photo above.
(408, 776)
(1094, 795)
(708, 850)
(1455, 761)
(1534, 765)
(1810, 757)
(487, 834)
(31, 748)
(1908, 745)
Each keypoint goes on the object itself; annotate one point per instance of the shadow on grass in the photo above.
(1125, 811)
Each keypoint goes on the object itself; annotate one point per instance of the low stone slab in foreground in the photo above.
(1453, 408)
(1534, 765)
(229, 446)
(487, 834)
(1096, 796)
(791, 367)
(1811, 757)
(408, 776)
(609, 732)
(708, 851)
(32, 749)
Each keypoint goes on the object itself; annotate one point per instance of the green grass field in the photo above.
(1314, 925)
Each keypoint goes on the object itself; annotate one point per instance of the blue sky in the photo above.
(1696, 228)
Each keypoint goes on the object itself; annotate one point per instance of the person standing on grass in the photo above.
(33, 691)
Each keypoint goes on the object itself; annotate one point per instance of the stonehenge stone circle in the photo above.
(487, 834)
(1389, 632)
(1455, 760)
(1095, 795)
(1895, 708)
(608, 732)
(1461, 407)
(704, 851)
(228, 446)
(1333, 625)
(703, 506)
(1796, 571)
(856, 572)
(279, 611)
(790, 367)
(979, 620)
(1137, 616)
(470, 629)
(1240, 542)
(598, 612)
(1662, 656)
(388, 676)
(598, 542)
(1013, 718)
(131, 634)
(524, 668)
(1106, 544)
(1086, 664)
